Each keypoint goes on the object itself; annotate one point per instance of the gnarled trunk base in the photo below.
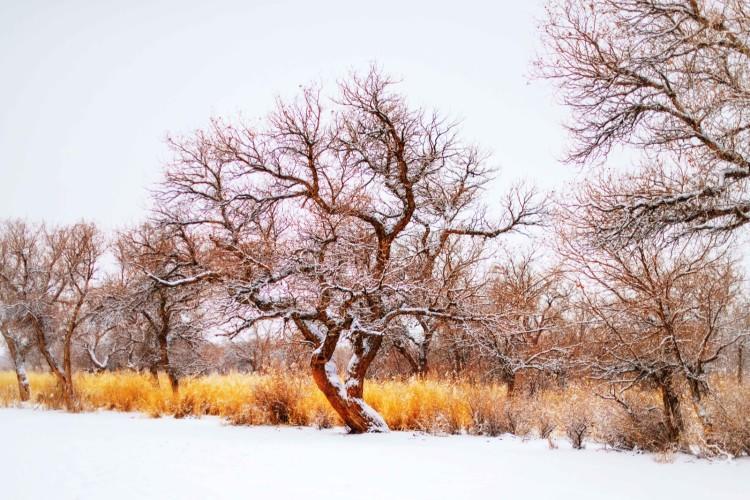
(357, 415)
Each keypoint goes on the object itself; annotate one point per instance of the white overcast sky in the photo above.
(89, 89)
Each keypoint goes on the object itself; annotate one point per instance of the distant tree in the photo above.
(529, 302)
(656, 314)
(254, 351)
(454, 268)
(164, 323)
(48, 276)
(311, 219)
(670, 78)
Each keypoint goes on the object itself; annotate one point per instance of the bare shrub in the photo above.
(638, 430)
(444, 422)
(51, 398)
(732, 438)
(577, 430)
(545, 428)
(322, 420)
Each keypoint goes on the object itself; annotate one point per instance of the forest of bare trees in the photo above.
(350, 234)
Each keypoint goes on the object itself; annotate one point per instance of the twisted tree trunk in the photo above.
(345, 398)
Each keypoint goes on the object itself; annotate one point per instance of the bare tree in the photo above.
(164, 322)
(671, 78)
(310, 220)
(529, 303)
(453, 267)
(22, 281)
(105, 336)
(255, 350)
(80, 261)
(48, 277)
(79, 248)
(657, 314)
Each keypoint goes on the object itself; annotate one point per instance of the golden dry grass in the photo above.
(430, 405)
(411, 404)
(221, 395)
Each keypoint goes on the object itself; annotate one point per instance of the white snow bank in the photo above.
(111, 455)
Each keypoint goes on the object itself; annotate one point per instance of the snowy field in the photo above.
(124, 456)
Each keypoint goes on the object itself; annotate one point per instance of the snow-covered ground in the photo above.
(108, 455)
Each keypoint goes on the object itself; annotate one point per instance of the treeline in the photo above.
(664, 319)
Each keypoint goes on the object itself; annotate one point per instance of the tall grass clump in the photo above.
(429, 405)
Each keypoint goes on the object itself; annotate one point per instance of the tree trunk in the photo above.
(165, 316)
(424, 348)
(422, 365)
(672, 413)
(64, 383)
(417, 364)
(740, 363)
(174, 382)
(164, 363)
(508, 377)
(18, 356)
(357, 415)
(459, 360)
(71, 401)
(153, 370)
(99, 365)
(404, 351)
(510, 384)
(698, 388)
(346, 399)
(68, 370)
